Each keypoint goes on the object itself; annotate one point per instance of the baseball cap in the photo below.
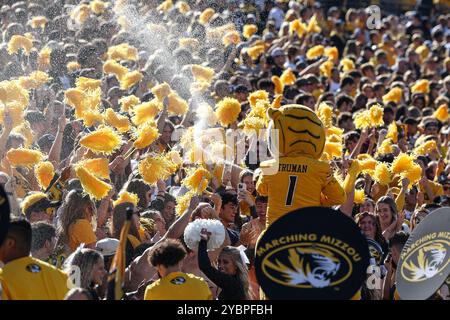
(37, 201)
(268, 36)
(107, 246)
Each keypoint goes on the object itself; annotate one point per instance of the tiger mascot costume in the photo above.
(302, 179)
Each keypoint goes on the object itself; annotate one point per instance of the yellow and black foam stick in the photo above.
(117, 269)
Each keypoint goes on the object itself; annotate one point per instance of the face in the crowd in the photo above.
(351, 144)
(160, 224)
(368, 91)
(226, 265)
(261, 209)
(348, 125)
(280, 60)
(411, 197)
(431, 129)
(368, 227)
(412, 129)
(367, 206)
(228, 212)
(169, 211)
(419, 216)
(98, 272)
(388, 117)
(37, 216)
(166, 136)
(384, 213)
(248, 180)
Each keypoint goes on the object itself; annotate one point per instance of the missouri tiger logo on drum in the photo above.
(426, 260)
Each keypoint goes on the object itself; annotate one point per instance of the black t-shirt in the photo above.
(234, 236)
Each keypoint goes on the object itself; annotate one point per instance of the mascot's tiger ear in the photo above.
(273, 113)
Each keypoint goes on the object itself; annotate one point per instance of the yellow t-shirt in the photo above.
(178, 286)
(244, 207)
(300, 182)
(436, 188)
(81, 232)
(32, 279)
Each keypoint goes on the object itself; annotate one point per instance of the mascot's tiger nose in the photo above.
(301, 132)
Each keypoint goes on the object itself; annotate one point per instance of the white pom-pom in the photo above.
(192, 233)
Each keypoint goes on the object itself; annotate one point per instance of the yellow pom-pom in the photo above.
(402, 163)
(362, 120)
(38, 22)
(202, 73)
(130, 79)
(177, 105)
(413, 174)
(315, 52)
(334, 131)
(231, 37)
(25, 130)
(121, 123)
(325, 114)
(249, 30)
(126, 197)
(206, 15)
(35, 80)
(347, 65)
(197, 180)
(18, 42)
(227, 111)
(11, 91)
(103, 140)
(256, 96)
(253, 123)
(326, 68)
(421, 86)
(44, 172)
(279, 87)
(332, 53)
(86, 84)
(288, 77)
(93, 186)
(425, 148)
(359, 196)
(146, 111)
(113, 67)
(255, 51)
(376, 115)
(91, 118)
(175, 158)
(385, 147)
(198, 88)
(392, 132)
(80, 13)
(99, 167)
(44, 58)
(123, 51)
(441, 113)
(22, 157)
(367, 164)
(297, 26)
(189, 42)
(154, 168)
(394, 95)
(161, 91)
(382, 174)
(98, 7)
(165, 6)
(75, 98)
(15, 111)
(183, 202)
(313, 25)
(183, 7)
(145, 135)
(333, 149)
(128, 102)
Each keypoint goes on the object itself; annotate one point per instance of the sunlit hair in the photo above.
(140, 188)
(85, 260)
(118, 220)
(413, 221)
(391, 203)
(242, 272)
(360, 216)
(76, 206)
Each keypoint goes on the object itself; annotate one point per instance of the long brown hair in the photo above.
(140, 188)
(74, 207)
(360, 216)
(118, 220)
(242, 271)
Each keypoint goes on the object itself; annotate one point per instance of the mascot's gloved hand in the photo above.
(350, 179)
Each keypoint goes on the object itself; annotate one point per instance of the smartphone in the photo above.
(242, 187)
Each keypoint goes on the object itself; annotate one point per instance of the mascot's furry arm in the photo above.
(332, 193)
(352, 174)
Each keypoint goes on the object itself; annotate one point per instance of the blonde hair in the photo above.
(85, 260)
(242, 270)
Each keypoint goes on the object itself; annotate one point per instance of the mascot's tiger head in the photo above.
(300, 131)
